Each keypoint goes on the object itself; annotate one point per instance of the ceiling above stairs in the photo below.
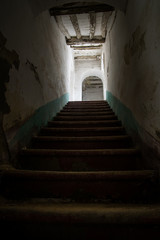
(84, 26)
(82, 23)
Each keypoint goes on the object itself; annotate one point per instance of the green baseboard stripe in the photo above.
(40, 118)
(149, 146)
(124, 114)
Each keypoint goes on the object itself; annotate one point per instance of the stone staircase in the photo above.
(81, 178)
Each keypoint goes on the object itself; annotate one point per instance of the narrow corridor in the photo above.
(72, 168)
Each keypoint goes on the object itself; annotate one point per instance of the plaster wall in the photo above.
(84, 69)
(132, 56)
(34, 53)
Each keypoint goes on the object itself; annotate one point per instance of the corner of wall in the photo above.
(150, 148)
(124, 114)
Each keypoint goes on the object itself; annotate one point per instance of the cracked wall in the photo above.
(7, 59)
(34, 72)
(132, 55)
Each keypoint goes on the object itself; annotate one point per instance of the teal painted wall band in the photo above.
(40, 118)
(124, 114)
(141, 138)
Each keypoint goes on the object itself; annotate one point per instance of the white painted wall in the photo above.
(39, 41)
(132, 51)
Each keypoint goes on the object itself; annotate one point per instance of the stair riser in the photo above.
(104, 113)
(86, 110)
(104, 107)
(87, 103)
(84, 133)
(80, 190)
(83, 194)
(84, 124)
(87, 106)
(84, 118)
(80, 163)
(81, 144)
(39, 226)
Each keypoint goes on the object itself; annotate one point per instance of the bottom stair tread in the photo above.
(54, 211)
(80, 186)
(80, 221)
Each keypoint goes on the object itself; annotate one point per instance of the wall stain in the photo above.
(34, 69)
(136, 45)
(108, 70)
(7, 59)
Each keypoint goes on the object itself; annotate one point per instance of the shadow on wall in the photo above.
(7, 60)
(92, 89)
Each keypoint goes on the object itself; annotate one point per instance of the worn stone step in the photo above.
(80, 160)
(84, 124)
(85, 107)
(105, 113)
(96, 142)
(85, 118)
(81, 221)
(82, 132)
(90, 101)
(86, 110)
(87, 104)
(82, 103)
(80, 186)
(103, 106)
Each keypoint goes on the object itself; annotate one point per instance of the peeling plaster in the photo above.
(7, 59)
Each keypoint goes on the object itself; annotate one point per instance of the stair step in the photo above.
(104, 113)
(96, 142)
(72, 181)
(88, 102)
(80, 186)
(81, 213)
(97, 110)
(82, 132)
(85, 221)
(87, 108)
(80, 160)
(74, 124)
(85, 118)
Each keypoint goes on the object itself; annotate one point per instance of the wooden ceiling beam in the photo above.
(104, 22)
(86, 47)
(75, 24)
(92, 24)
(81, 9)
(92, 57)
(84, 40)
(62, 27)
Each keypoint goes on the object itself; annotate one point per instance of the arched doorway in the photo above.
(92, 89)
